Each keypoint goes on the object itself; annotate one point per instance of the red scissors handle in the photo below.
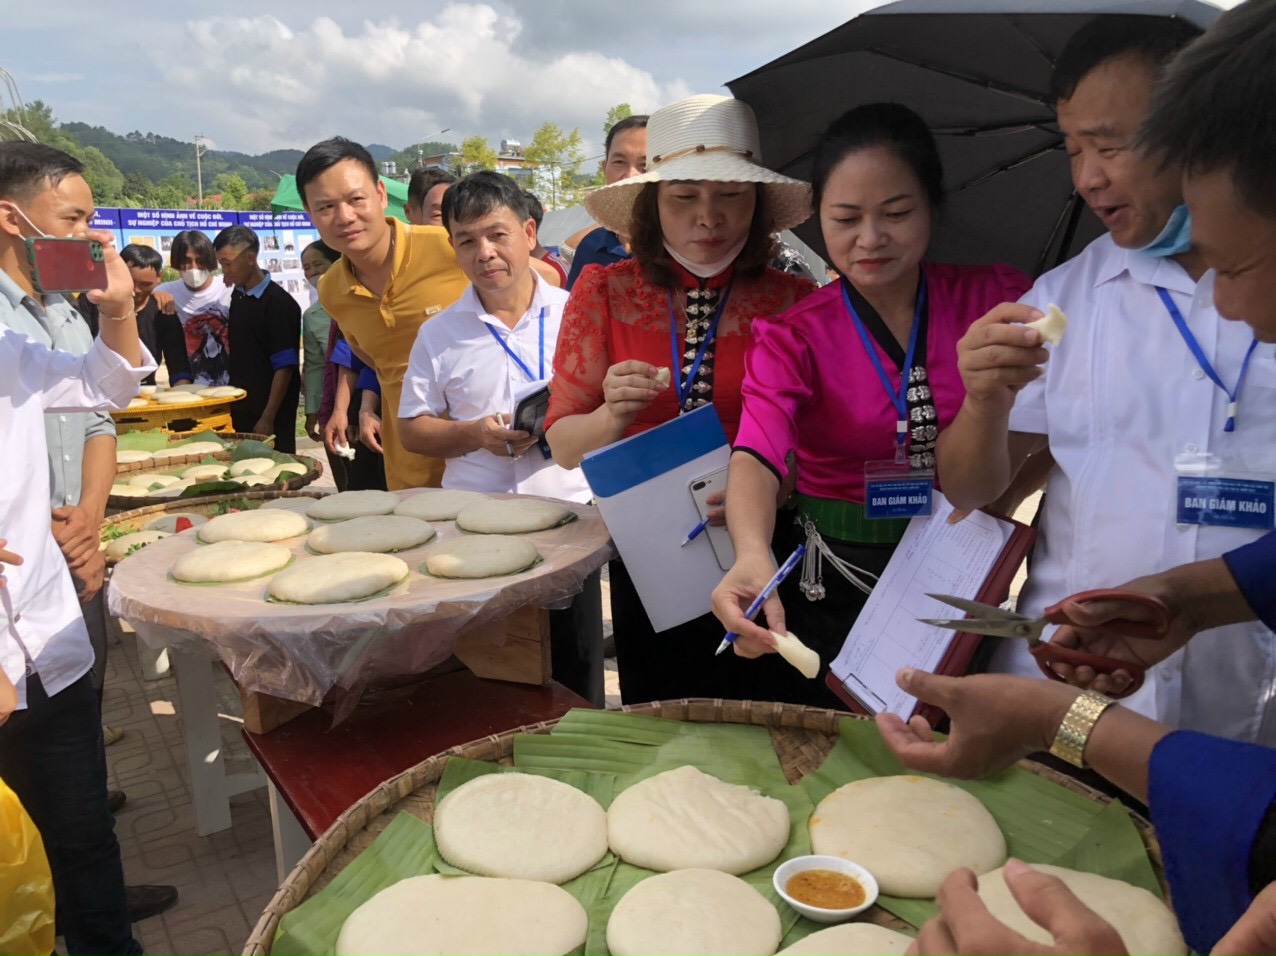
(1155, 627)
(1048, 654)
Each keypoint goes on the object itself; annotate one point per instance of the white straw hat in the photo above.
(703, 137)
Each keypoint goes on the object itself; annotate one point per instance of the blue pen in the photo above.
(694, 533)
(785, 570)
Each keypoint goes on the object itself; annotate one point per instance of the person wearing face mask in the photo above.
(700, 221)
(201, 302)
(828, 383)
(1152, 405)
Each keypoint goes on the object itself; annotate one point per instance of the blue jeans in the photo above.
(51, 754)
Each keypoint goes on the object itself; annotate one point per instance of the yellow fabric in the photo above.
(424, 280)
(26, 885)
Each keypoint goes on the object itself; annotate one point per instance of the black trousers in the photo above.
(576, 643)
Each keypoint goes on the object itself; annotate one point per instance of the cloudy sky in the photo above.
(392, 72)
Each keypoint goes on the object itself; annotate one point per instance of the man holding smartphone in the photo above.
(51, 750)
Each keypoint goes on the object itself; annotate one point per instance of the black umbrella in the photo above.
(978, 72)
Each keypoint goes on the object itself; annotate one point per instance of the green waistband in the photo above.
(845, 521)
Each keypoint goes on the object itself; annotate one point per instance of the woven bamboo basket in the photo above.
(133, 467)
(208, 413)
(294, 483)
(802, 737)
(136, 518)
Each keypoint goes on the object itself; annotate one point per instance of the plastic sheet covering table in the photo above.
(312, 653)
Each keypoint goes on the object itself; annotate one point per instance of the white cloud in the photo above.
(384, 81)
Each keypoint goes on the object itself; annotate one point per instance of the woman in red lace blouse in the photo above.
(701, 220)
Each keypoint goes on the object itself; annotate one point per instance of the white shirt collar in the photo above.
(470, 302)
(1143, 269)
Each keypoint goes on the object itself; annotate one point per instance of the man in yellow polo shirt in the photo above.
(391, 277)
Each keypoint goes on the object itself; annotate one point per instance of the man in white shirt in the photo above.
(51, 743)
(468, 364)
(1148, 395)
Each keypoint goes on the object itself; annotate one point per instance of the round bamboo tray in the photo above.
(136, 519)
(802, 737)
(233, 438)
(294, 483)
(212, 414)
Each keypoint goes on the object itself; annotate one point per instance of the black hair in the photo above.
(423, 180)
(323, 156)
(481, 193)
(142, 257)
(1215, 109)
(534, 207)
(325, 250)
(888, 125)
(637, 121)
(195, 243)
(237, 236)
(27, 168)
(1155, 40)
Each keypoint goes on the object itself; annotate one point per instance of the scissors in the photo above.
(997, 622)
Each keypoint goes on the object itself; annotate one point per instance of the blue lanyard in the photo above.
(1199, 354)
(518, 361)
(899, 399)
(684, 384)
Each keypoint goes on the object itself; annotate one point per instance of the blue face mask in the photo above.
(1175, 238)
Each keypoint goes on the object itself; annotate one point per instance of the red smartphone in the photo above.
(66, 265)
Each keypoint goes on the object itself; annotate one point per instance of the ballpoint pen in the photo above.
(785, 570)
(694, 533)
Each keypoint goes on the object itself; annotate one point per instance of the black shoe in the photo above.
(149, 900)
(115, 800)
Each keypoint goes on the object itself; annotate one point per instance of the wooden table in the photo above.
(288, 659)
(316, 772)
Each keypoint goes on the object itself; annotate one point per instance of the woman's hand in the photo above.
(336, 432)
(629, 387)
(717, 514)
(997, 356)
(7, 557)
(732, 597)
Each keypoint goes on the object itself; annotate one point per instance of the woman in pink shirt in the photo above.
(816, 399)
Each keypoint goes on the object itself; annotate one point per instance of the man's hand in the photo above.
(75, 534)
(629, 387)
(7, 557)
(337, 432)
(312, 427)
(116, 300)
(89, 577)
(996, 720)
(370, 430)
(491, 435)
(1093, 638)
(732, 597)
(964, 924)
(164, 302)
(997, 357)
(264, 426)
(1255, 931)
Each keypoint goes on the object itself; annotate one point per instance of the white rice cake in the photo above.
(354, 504)
(337, 578)
(125, 456)
(251, 466)
(377, 533)
(479, 556)
(121, 545)
(437, 504)
(511, 516)
(229, 561)
(259, 525)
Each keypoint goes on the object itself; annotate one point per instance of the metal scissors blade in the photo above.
(985, 612)
(986, 619)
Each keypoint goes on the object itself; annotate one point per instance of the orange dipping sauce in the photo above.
(827, 889)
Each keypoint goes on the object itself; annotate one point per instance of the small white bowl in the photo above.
(790, 868)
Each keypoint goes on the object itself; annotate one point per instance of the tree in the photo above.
(615, 115)
(557, 156)
(475, 154)
(259, 201)
(233, 189)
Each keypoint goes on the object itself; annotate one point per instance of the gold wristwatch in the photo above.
(1074, 732)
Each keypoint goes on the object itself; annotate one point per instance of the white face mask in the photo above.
(709, 270)
(194, 278)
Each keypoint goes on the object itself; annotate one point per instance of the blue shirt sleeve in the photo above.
(368, 379)
(341, 355)
(285, 358)
(1207, 797)
(1254, 568)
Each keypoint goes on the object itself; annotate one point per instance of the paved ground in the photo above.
(225, 880)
